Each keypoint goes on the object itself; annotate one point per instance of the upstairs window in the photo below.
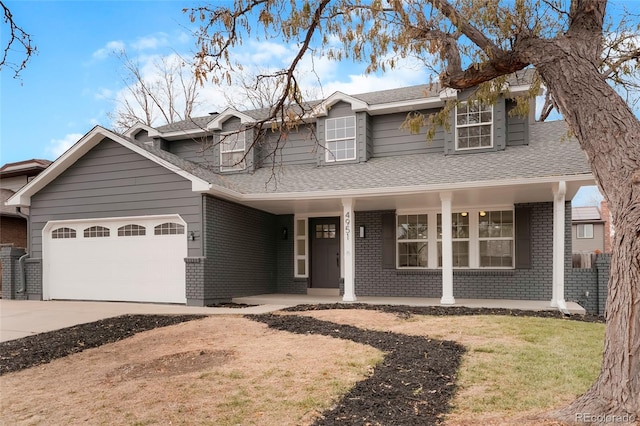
(340, 138)
(232, 151)
(474, 126)
(131, 230)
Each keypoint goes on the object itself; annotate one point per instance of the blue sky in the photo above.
(74, 81)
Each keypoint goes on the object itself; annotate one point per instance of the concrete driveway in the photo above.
(21, 318)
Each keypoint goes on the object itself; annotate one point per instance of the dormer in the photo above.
(233, 137)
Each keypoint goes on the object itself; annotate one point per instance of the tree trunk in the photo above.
(609, 133)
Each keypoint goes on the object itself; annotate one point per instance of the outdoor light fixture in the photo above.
(285, 233)
(483, 213)
(361, 231)
(192, 236)
(464, 214)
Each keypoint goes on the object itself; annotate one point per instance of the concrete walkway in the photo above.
(21, 318)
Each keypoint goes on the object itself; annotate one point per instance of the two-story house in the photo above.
(347, 203)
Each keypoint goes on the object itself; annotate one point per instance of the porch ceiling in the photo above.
(425, 199)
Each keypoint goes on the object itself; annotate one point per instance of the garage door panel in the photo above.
(143, 268)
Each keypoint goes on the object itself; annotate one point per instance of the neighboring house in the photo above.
(13, 220)
(187, 213)
(587, 230)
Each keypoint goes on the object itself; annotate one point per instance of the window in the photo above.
(413, 241)
(460, 235)
(168, 228)
(495, 237)
(340, 138)
(326, 231)
(301, 247)
(585, 230)
(474, 126)
(63, 233)
(131, 230)
(232, 155)
(96, 232)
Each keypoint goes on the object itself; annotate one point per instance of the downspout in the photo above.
(24, 257)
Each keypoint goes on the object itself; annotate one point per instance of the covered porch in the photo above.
(305, 299)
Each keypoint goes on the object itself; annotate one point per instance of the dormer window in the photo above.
(474, 126)
(232, 151)
(340, 139)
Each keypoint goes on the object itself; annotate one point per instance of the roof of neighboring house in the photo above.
(24, 168)
(586, 214)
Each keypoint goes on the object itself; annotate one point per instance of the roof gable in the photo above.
(84, 145)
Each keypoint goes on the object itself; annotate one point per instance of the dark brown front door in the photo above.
(325, 252)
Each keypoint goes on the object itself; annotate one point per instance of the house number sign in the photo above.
(347, 224)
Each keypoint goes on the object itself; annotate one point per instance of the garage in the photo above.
(133, 259)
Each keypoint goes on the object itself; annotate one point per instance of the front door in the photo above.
(325, 252)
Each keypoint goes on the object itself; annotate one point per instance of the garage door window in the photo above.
(169, 228)
(131, 230)
(96, 232)
(63, 233)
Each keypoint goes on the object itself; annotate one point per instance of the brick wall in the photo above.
(286, 282)
(13, 230)
(240, 254)
(529, 284)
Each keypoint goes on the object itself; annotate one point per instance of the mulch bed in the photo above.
(413, 384)
(16, 355)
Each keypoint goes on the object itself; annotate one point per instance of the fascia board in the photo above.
(153, 133)
(403, 106)
(322, 109)
(402, 190)
(79, 149)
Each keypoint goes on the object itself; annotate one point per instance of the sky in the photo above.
(74, 80)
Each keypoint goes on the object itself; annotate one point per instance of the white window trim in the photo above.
(585, 235)
(474, 239)
(458, 126)
(297, 240)
(242, 164)
(329, 156)
(398, 241)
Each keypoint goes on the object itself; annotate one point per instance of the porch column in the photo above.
(447, 250)
(559, 192)
(348, 256)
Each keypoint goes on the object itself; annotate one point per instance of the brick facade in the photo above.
(13, 230)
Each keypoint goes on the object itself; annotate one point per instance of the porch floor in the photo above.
(300, 299)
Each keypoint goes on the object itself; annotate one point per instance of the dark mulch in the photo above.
(407, 311)
(412, 386)
(42, 348)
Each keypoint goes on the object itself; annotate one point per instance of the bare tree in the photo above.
(18, 40)
(477, 44)
(169, 94)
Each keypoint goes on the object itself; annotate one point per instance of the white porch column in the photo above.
(348, 255)
(559, 192)
(447, 250)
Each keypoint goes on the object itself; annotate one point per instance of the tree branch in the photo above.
(19, 36)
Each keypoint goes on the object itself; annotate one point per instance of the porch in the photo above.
(303, 299)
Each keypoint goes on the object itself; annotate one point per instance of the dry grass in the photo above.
(219, 370)
(516, 368)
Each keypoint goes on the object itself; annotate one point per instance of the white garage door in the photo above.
(137, 259)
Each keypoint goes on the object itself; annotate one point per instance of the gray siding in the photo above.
(389, 139)
(517, 127)
(298, 146)
(112, 181)
(198, 150)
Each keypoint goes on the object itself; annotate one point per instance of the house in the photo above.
(13, 220)
(348, 203)
(587, 229)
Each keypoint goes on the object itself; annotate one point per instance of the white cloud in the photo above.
(151, 42)
(103, 94)
(57, 147)
(110, 47)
